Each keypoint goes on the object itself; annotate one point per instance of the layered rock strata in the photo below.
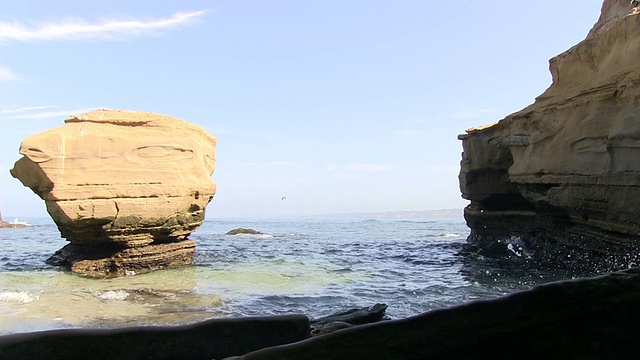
(125, 188)
(560, 178)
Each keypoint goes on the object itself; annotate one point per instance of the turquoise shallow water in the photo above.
(310, 266)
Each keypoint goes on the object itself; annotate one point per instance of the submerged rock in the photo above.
(562, 175)
(240, 231)
(125, 188)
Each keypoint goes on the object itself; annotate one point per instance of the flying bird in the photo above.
(284, 197)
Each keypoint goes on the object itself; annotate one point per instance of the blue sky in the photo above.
(341, 106)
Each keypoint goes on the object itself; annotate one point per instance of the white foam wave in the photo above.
(256, 236)
(17, 297)
(112, 295)
(452, 235)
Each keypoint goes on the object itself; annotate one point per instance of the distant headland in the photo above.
(15, 224)
(409, 215)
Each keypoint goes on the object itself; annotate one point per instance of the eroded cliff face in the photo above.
(562, 176)
(125, 188)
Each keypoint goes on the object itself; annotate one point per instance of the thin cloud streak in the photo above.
(7, 75)
(81, 30)
(63, 114)
(26, 108)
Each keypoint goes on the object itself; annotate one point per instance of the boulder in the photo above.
(125, 188)
(561, 176)
(347, 319)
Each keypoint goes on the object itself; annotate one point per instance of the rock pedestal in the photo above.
(562, 175)
(125, 188)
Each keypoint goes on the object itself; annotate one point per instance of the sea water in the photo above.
(310, 266)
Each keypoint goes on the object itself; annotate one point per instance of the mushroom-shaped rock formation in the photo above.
(562, 175)
(125, 188)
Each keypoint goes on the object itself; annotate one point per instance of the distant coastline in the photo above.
(4, 224)
(409, 215)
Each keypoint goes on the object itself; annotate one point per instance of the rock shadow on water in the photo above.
(511, 265)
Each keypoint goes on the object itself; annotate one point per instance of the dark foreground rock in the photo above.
(212, 339)
(348, 318)
(593, 318)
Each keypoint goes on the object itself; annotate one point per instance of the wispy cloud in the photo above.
(473, 113)
(368, 168)
(26, 108)
(7, 75)
(26, 114)
(78, 29)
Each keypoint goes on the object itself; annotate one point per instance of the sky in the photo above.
(339, 105)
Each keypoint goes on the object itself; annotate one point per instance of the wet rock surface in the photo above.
(348, 319)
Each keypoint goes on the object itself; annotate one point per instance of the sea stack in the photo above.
(125, 188)
(561, 178)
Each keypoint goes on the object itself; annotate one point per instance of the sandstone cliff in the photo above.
(562, 175)
(125, 188)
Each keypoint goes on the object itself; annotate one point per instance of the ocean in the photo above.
(314, 266)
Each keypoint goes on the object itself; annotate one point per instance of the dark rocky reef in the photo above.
(560, 179)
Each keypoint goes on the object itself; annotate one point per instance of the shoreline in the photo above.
(601, 320)
(7, 225)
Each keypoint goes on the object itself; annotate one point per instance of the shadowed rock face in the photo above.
(211, 339)
(562, 175)
(119, 180)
